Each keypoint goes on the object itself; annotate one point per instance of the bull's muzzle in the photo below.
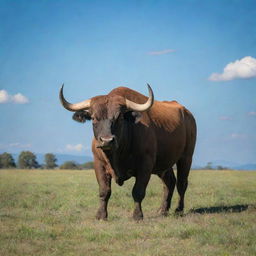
(106, 142)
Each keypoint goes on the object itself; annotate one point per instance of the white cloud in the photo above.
(225, 118)
(78, 147)
(20, 145)
(4, 97)
(161, 52)
(240, 69)
(238, 136)
(15, 145)
(252, 113)
(18, 98)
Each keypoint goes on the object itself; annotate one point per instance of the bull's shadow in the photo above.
(222, 209)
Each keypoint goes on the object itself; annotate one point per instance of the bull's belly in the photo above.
(167, 157)
(162, 165)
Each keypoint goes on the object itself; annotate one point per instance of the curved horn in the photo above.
(73, 107)
(141, 107)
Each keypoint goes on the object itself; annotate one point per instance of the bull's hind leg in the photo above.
(183, 168)
(169, 180)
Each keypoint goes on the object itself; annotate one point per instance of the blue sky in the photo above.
(200, 53)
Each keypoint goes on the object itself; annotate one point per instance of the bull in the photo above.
(136, 136)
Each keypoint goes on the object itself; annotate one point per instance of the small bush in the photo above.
(71, 165)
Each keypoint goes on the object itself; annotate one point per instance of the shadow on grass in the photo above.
(221, 209)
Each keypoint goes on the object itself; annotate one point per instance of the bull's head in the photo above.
(109, 114)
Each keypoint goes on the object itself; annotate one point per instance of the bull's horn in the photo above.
(73, 107)
(141, 107)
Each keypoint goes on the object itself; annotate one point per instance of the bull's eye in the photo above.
(94, 122)
(128, 116)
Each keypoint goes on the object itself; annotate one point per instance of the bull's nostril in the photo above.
(107, 142)
(106, 139)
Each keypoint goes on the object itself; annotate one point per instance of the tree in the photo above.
(7, 161)
(71, 165)
(87, 165)
(220, 167)
(50, 161)
(209, 166)
(27, 160)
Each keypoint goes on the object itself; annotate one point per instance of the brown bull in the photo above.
(137, 136)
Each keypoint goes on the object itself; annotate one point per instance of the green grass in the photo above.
(52, 213)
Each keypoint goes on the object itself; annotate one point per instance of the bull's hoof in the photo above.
(163, 212)
(101, 215)
(179, 211)
(137, 216)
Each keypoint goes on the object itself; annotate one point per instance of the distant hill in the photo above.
(61, 158)
(228, 165)
(64, 157)
(250, 167)
(235, 166)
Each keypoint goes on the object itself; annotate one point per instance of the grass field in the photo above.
(52, 213)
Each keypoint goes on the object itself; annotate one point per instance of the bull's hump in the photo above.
(167, 114)
(128, 94)
(172, 103)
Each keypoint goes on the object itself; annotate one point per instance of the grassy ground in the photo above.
(52, 213)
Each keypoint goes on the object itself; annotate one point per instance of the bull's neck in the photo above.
(119, 158)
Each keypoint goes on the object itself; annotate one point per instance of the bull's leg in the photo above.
(183, 168)
(138, 193)
(104, 181)
(169, 180)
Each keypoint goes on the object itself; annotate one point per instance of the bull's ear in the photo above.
(81, 116)
(133, 116)
(137, 116)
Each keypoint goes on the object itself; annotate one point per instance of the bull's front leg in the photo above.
(138, 193)
(104, 181)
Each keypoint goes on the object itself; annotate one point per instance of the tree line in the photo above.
(27, 160)
(209, 166)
